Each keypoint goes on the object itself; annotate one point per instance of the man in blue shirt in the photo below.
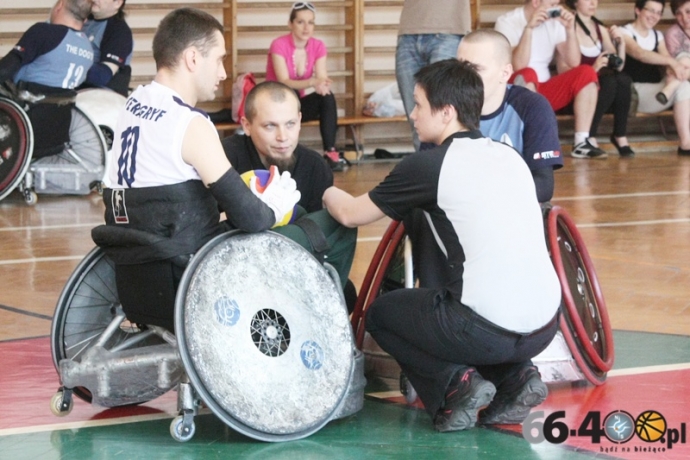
(55, 54)
(51, 58)
(113, 46)
(512, 114)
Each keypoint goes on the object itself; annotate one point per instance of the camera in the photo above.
(553, 12)
(614, 61)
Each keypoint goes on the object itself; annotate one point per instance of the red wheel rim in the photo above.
(23, 146)
(387, 247)
(562, 229)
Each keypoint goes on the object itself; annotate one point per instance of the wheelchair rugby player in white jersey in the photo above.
(166, 264)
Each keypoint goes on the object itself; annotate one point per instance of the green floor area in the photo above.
(380, 431)
(637, 349)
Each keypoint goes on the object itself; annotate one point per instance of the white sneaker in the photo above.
(587, 150)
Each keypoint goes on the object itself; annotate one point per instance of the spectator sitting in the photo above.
(648, 61)
(113, 46)
(678, 45)
(299, 61)
(597, 46)
(537, 31)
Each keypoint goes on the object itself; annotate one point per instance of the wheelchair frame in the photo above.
(93, 344)
(78, 169)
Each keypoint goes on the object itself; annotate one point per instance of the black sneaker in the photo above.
(515, 398)
(336, 166)
(463, 400)
(661, 97)
(587, 150)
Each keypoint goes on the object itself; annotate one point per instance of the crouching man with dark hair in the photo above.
(472, 339)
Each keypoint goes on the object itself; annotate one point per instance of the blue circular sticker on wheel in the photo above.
(312, 355)
(227, 311)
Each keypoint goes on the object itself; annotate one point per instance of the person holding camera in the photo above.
(647, 63)
(537, 31)
(604, 49)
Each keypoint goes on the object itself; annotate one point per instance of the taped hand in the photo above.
(280, 192)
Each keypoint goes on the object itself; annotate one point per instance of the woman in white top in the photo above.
(604, 49)
(647, 62)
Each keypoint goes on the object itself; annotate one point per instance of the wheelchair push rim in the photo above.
(16, 145)
(257, 362)
(388, 248)
(586, 325)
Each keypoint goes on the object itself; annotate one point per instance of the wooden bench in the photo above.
(354, 124)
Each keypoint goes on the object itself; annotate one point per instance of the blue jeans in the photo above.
(414, 52)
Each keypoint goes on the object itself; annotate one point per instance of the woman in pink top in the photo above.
(299, 61)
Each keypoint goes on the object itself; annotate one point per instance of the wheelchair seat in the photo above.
(147, 291)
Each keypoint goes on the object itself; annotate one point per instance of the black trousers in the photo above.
(324, 109)
(433, 336)
(614, 97)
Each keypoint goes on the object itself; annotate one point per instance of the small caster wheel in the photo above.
(58, 405)
(181, 431)
(30, 197)
(407, 389)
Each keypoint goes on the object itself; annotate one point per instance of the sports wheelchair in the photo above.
(582, 349)
(69, 157)
(267, 348)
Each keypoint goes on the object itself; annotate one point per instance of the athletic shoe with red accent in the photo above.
(515, 398)
(463, 400)
(332, 157)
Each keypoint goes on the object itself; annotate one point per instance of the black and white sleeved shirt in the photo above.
(479, 198)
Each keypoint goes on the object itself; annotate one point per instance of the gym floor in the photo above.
(633, 214)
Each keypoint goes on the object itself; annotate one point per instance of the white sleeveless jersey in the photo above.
(147, 145)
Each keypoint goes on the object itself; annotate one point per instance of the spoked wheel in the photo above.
(108, 136)
(86, 145)
(585, 322)
(16, 145)
(86, 307)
